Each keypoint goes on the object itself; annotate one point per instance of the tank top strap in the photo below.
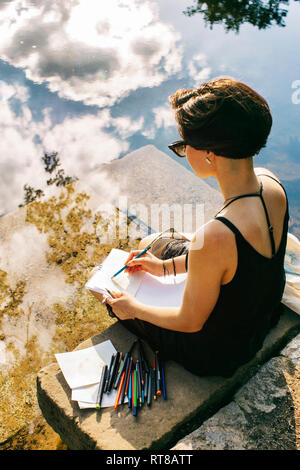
(258, 194)
(229, 224)
(272, 177)
(235, 229)
(270, 227)
(286, 197)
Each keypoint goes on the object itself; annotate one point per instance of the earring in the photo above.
(208, 160)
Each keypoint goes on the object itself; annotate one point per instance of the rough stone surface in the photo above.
(148, 177)
(264, 413)
(116, 430)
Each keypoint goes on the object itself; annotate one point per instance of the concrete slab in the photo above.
(191, 399)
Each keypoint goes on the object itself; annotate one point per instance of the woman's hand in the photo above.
(123, 305)
(147, 263)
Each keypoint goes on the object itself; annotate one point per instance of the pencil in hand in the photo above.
(138, 256)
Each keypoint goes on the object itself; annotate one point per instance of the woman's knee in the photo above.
(145, 241)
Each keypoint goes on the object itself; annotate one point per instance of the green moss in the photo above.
(11, 297)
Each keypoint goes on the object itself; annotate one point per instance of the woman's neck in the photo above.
(236, 177)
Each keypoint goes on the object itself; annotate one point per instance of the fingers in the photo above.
(135, 265)
(133, 269)
(132, 254)
(116, 294)
(97, 295)
(135, 262)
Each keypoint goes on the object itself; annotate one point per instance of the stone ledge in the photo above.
(263, 414)
(191, 400)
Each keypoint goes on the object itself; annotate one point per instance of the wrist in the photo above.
(139, 311)
(167, 267)
(162, 268)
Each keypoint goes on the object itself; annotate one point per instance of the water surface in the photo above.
(91, 79)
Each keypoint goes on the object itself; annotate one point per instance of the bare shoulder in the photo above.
(215, 248)
(277, 192)
(214, 240)
(264, 171)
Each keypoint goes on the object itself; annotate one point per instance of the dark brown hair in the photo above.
(223, 115)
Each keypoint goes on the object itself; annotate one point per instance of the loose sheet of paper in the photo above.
(87, 396)
(83, 367)
(82, 371)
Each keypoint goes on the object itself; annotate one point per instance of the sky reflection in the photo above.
(91, 80)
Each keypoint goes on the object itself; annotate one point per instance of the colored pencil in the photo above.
(119, 372)
(134, 392)
(119, 390)
(158, 380)
(113, 372)
(146, 386)
(149, 392)
(163, 380)
(153, 373)
(124, 363)
(101, 386)
(127, 388)
(129, 392)
(139, 385)
(109, 372)
(138, 256)
(125, 380)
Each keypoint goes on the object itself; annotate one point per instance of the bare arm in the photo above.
(154, 265)
(205, 271)
(179, 262)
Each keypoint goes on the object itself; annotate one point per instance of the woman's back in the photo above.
(248, 305)
(259, 219)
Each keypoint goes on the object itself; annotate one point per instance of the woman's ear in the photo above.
(210, 157)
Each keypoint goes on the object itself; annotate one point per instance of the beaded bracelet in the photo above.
(165, 269)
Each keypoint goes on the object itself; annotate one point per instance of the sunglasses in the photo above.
(179, 148)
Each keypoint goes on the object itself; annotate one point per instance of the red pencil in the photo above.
(120, 389)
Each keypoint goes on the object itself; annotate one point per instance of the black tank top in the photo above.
(247, 307)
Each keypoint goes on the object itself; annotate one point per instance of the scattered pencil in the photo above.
(133, 379)
(101, 386)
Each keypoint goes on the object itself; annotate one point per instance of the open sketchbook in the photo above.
(151, 290)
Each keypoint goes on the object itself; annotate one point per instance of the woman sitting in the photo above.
(235, 262)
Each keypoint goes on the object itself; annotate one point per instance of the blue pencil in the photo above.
(139, 385)
(149, 391)
(129, 392)
(163, 379)
(138, 256)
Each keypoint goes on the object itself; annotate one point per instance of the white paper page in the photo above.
(88, 396)
(101, 279)
(162, 291)
(84, 405)
(83, 367)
